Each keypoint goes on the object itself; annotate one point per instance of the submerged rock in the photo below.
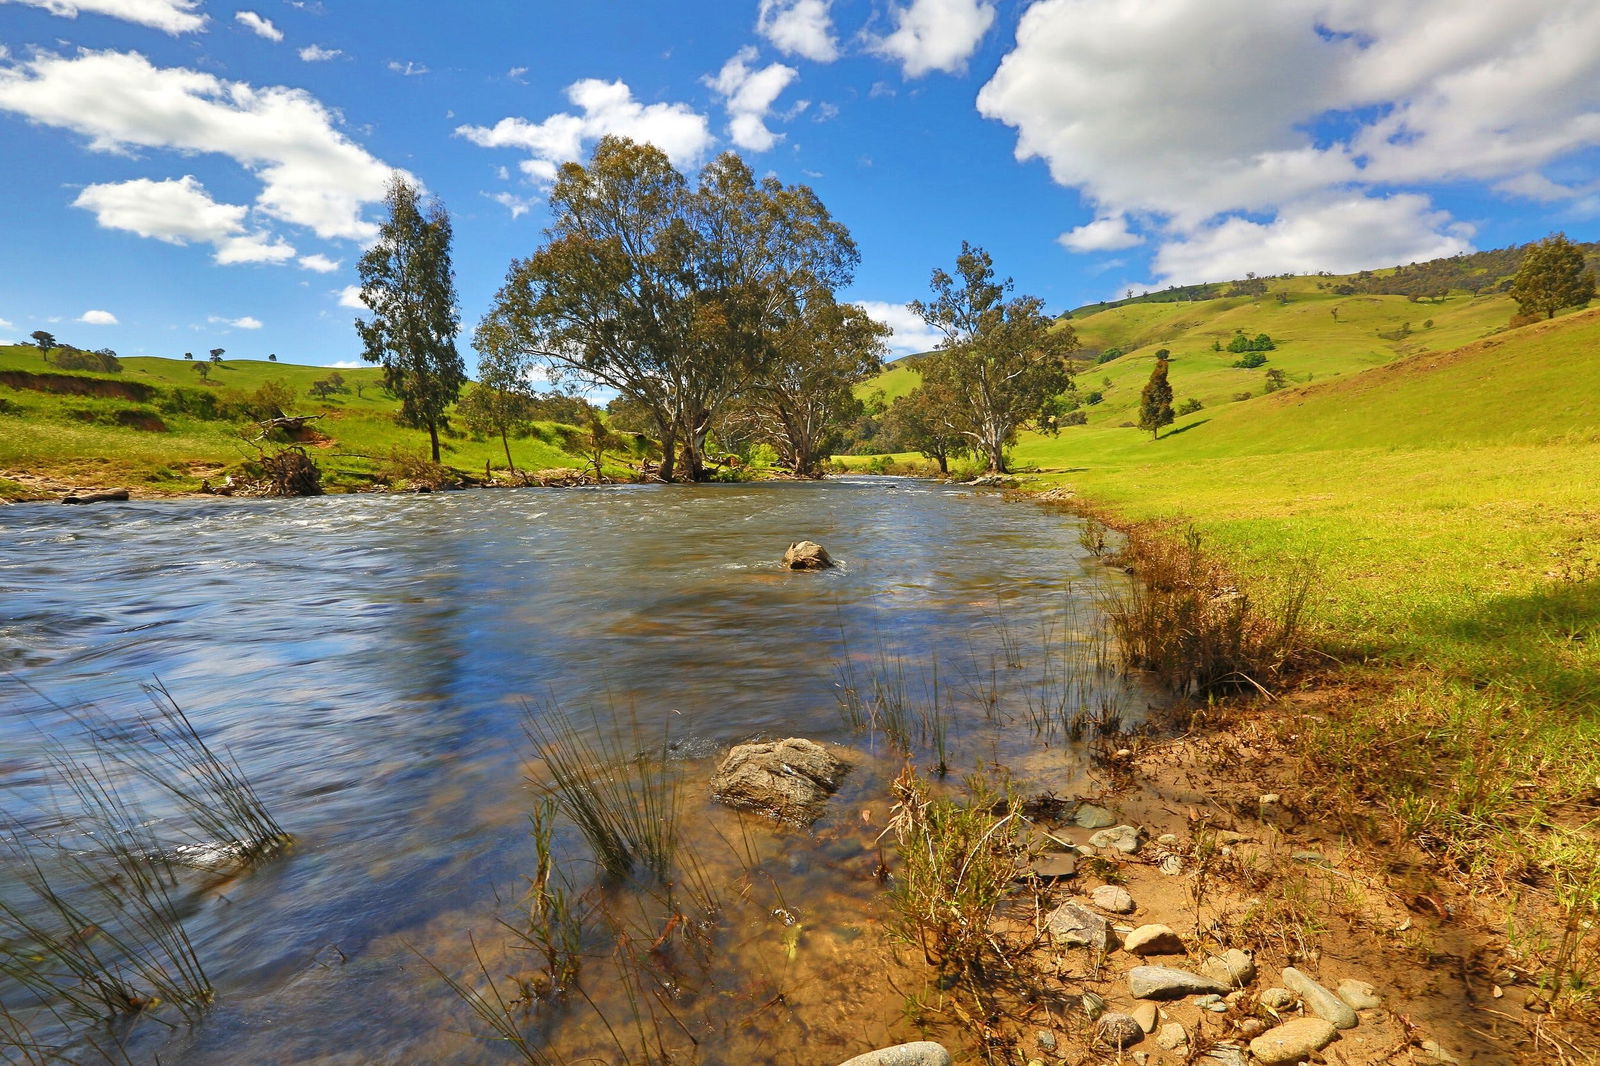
(916, 1053)
(807, 555)
(790, 780)
(1089, 816)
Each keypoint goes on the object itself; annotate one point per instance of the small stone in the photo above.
(1073, 925)
(1432, 1052)
(1171, 1037)
(1123, 838)
(1226, 1055)
(1276, 998)
(1139, 1058)
(1088, 816)
(1164, 982)
(1319, 1001)
(1310, 858)
(1168, 840)
(1171, 865)
(1153, 940)
(1083, 850)
(1292, 1041)
(1359, 995)
(1118, 1031)
(916, 1053)
(1146, 1015)
(1233, 967)
(1045, 1039)
(1113, 898)
(1252, 1027)
(1209, 1000)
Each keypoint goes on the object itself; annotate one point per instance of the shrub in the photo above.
(1092, 398)
(1241, 396)
(1109, 354)
(1250, 360)
(1189, 407)
(1073, 418)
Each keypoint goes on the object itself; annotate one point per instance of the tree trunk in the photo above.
(505, 443)
(944, 463)
(433, 436)
(669, 457)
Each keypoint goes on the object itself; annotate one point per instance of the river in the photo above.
(371, 662)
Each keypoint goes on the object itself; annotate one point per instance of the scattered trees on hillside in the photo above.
(408, 285)
(1259, 343)
(1000, 358)
(1552, 277)
(44, 342)
(331, 385)
(1155, 401)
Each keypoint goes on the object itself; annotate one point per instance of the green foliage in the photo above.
(409, 286)
(1259, 343)
(217, 354)
(1276, 379)
(1155, 401)
(1249, 361)
(104, 361)
(44, 341)
(1109, 354)
(1188, 407)
(926, 421)
(1552, 277)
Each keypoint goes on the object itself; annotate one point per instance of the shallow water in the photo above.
(369, 662)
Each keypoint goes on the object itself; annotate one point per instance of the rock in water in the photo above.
(1293, 1041)
(807, 555)
(790, 780)
(1088, 816)
(1318, 1000)
(1164, 982)
(916, 1053)
(1118, 1031)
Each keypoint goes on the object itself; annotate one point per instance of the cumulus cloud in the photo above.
(1101, 235)
(408, 68)
(799, 27)
(181, 212)
(517, 205)
(350, 296)
(258, 25)
(321, 264)
(911, 333)
(315, 53)
(247, 322)
(311, 174)
(98, 318)
(170, 16)
(1291, 103)
(936, 35)
(748, 94)
(604, 108)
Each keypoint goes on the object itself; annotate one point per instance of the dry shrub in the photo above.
(291, 472)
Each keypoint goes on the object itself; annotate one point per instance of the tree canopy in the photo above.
(1155, 401)
(408, 285)
(44, 342)
(1552, 276)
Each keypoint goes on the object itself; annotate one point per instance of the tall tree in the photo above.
(1155, 401)
(1552, 276)
(408, 285)
(44, 342)
(926, 421)
(1003, 359)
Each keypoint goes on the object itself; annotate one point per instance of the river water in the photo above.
(372, 662)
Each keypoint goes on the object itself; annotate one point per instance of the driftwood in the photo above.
(288, 423)
(113, 496)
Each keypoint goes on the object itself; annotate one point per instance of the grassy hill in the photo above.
(158, 426)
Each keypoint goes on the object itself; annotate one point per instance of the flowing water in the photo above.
(371, 662)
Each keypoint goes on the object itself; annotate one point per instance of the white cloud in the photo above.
(799, 27)
(350, 296)
(936, 35)
(98, 318)
(315, 53)
(170, 16)
(1101, 235)
(247, 322)
(517, 205)
(408, 68)
(911, 333)
(311, 174)
(749, 94)
(181, 212)
(7, 324)
(261, 27)
(1290, 104)
(320, 263)
(607, 108)
(346, 364)
(1340, 235)
(516, 74)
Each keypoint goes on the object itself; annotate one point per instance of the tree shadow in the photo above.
(1547, 640)
(1184, 429)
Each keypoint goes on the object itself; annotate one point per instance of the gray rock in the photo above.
(1319, 1001)
(1164, 982)
(1088, 816)
(1293, 1041)
(1124, 838)
(1074, 925)
(1358, 995)
(1146, 1014)
(1233, 967)
(1118, 1031)
(788, 779)
(1045, 1039)
(1168, 840)
(1154, 940)
(1226, 1055)
(1171, 1037)
(807, 555)
(1276, 998)
(916, 1053)
(1113, 898)
(1212, 1002)
(1430, 1051)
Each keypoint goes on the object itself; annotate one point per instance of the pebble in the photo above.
(1146, 1015)
(1311, 858)
(1113, 898)
(1088, 816)
(1432, 1050)
(1319, 1001)
(1153, 940)
(1359, 995)
(1171, 1037)
(1123, 838)
(1168, 840)
(1276, 998)
(1212, 1002)
(1118, 1031)
(1233, 967)
(916, 1053)
(1251, 1027)
(1227, 1055)
(1077, 926)
(1292, 1041)
(1045, 1039)
(1164, 982)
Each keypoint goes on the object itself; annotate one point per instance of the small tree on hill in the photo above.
(216, 354)
(1552, 276)
(44, 342)
(1155, 401)
(203, 369)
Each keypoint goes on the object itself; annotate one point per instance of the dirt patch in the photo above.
(73, 385)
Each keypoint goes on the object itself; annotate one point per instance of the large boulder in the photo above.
(807, 555)
(790, 780)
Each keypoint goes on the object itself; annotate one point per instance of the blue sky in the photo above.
(182, 174)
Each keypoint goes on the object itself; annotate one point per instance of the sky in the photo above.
(182, 175)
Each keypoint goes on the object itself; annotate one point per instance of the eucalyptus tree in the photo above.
(1552, 276)
(1003, 360)
(926, 421)
(409, 286)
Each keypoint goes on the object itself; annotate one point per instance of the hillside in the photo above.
(160, 427)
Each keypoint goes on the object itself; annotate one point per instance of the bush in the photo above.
(1109, 354)
(1073, 418)
(1250, 360)
(763, 454)
(1189, 407)
(1241, 396)
(1092, 398)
